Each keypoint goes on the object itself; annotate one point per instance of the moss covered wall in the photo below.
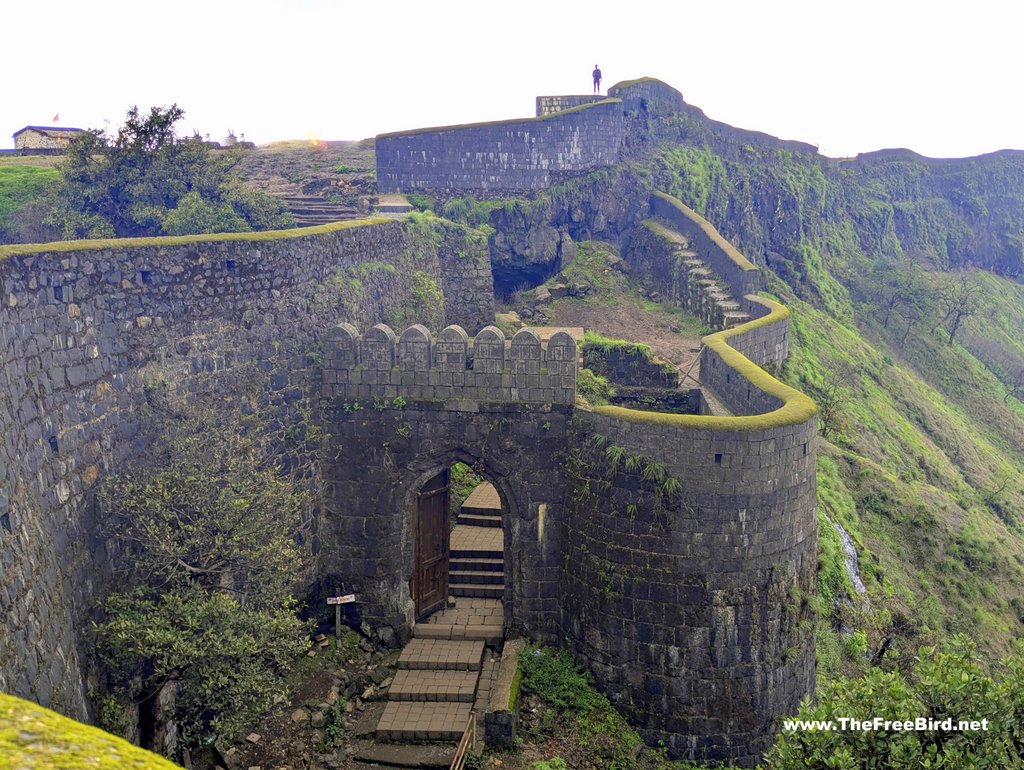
(35, 737)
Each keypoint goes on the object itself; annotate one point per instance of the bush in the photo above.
(146, 181)
(942, 684)
(554, 677)
(204, 539)
(593, 387)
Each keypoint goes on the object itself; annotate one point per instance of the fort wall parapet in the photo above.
(503, 156)
(648, 95)
(415, 366)
(547, 105)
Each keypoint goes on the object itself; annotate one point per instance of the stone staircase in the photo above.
(444, 674)
(477, 567)
(310, 210)
(393, 204)
(446, 671)
(700, 290)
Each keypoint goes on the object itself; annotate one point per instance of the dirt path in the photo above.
(627, 320)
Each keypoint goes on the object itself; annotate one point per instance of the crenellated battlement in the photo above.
(454, 366)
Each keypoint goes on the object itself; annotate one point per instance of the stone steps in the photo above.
(477, 564)
(479, 590)
(442, 655)
(442, 678)
(478, 577)
(474, 553)
(490, 634)
(399, 755)
(454, 686)
(476, 520)
(423, 721)
(702, 291)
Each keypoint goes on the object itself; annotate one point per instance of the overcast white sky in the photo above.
(939, 77)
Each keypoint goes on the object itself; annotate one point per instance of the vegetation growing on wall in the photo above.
(568, 723)
(922, 422)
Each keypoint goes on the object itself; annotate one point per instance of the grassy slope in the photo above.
(924, 469)
(21, 184)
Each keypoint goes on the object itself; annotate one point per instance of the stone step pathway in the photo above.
(444, 674)
(434, 686)
(393, 205)
(469, 619)
(477, 567)
(706, 294)
(311, 210)
(446, 671)
(423, 721)
(442, 654)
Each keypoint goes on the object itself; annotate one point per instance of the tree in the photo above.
(832, 397)
(1016, 387)
(204, 539)
(147, 181)
(960, 299)
(948, 683)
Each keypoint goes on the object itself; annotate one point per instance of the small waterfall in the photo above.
(851, 558)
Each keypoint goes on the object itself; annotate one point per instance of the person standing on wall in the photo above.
(597, 79)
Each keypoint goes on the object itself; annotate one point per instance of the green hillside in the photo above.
(907, 319)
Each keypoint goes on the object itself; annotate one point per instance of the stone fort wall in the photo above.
(675, 552)
(506, 156)
(694, 623)
(547, 105)
(86, 327)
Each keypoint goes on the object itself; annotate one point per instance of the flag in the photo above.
(56, 117)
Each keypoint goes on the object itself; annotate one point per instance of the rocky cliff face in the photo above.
(785, 202)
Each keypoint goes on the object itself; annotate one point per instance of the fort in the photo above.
(674, 553)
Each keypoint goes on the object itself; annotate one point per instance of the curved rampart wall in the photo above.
(503, 156)
(85, 327)
(690, 605)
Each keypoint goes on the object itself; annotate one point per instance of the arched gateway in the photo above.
(667, 549)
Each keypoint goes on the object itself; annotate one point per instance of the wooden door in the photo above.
(430, 575)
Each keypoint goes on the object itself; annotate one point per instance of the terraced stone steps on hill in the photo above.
(309, 210)
(703, 293)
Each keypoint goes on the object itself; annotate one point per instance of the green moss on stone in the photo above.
(33, 738)
(628, 83)
(182, 240)
(796, 408)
